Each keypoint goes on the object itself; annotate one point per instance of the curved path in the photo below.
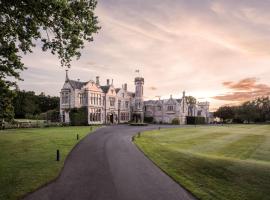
(106, 165)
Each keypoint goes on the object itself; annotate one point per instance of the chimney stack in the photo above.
(125, 87)
(108, 82)
(97, 80)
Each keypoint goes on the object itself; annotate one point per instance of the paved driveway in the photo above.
(106, 165)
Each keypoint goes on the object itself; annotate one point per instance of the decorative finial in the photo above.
(137, 71)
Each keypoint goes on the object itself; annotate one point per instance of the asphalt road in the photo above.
(106, 165)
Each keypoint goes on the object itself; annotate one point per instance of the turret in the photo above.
(138, 109)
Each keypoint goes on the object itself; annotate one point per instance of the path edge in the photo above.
(61, 170)
(173, 179)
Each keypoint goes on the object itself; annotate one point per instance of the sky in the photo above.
(217, 51)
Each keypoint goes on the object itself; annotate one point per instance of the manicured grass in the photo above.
(28, 157)
(226, 163)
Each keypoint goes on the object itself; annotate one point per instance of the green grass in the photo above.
(28, 157)
(217, 163)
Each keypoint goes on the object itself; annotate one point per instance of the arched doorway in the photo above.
(111, 118)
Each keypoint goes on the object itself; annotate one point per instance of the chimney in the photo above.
(125, 87)
(78, 80)
(108, 81)
(112, 82)
(97, 80)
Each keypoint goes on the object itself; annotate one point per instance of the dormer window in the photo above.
(112, 101)
(158, 108)
(170, 108)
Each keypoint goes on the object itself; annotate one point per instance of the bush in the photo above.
(78, 116)
(50, 115)
(176, 121)
(196, 120)
(148, 119)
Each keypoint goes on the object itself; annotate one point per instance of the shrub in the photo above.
(78, 116)
(148, 119)
(176, 121)
(196, 120)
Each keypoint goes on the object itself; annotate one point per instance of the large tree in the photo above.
(61, 26)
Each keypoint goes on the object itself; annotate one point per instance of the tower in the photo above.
(138, 106)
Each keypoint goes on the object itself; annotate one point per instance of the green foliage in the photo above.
(176, 121)
(257, 110)
(6, 95)
(225, 112)
(191, 100)
(60, 26)
(195, 120)
(214, 162)
(78, 116)
(148, 119)
(50, 115)
(29, 105)
(27, 157)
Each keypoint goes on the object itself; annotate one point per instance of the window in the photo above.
(119, 104)
(199, 113)
(65, 97)
(91, 96)
(126, 104)
(81, 96)
(158, 108)
(112, 101)
(95, 115)
(170, 108)
(123, 95)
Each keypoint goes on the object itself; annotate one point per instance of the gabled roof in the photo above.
(179, 100)
(117, 89)
(105, 88)
(132, 94)
(77, 84)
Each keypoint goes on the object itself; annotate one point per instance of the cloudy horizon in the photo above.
(214, 50)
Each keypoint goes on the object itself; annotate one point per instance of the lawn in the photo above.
(28, 157)
(217, 163)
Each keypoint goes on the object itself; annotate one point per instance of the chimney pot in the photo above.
(108, 81)
(97, 80)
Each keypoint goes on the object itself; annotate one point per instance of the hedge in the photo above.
(176, 121)
(78, 116)
(196, 120)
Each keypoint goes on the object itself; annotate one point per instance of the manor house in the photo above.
(109, 105)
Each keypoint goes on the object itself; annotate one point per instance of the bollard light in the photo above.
(57, 155)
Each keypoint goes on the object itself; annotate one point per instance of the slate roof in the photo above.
(117, 90)
(132, 94)
(77, 84)
(105, 88)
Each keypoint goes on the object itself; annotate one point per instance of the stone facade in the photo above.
(109, 105)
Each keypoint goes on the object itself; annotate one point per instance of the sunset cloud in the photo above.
(244, 90)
